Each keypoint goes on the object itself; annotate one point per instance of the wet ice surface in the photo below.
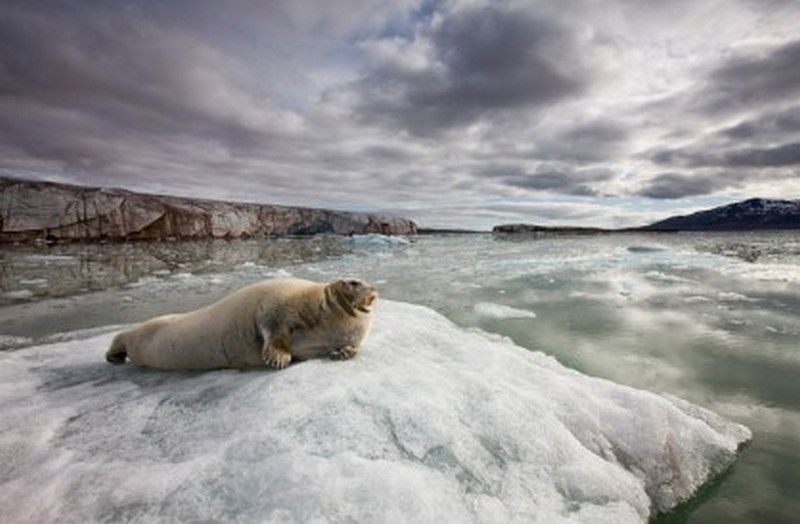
(431, 422)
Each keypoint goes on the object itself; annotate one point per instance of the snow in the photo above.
(765, 205)
(491, 310)
(431, 422)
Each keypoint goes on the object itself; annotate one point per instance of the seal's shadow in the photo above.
(98, 374)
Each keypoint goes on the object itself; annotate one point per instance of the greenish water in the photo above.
(713, 318)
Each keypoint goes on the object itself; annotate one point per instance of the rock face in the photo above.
(756, 213)
(31, 211)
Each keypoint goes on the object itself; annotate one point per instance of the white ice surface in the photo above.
(430, 423)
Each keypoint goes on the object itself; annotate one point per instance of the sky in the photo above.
(453, 113)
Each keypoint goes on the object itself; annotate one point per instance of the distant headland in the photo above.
(747, 215)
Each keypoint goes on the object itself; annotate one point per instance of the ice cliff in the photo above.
(430, 423)
(46, 210)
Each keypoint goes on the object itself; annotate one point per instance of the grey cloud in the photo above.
(749, 157)
(767, 127)
(779, 156)
(674, 185)
(118, 73)
(752, 80)
(485, 60)
(592, 141)
(564, 181)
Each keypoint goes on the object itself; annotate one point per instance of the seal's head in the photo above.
(353, 295)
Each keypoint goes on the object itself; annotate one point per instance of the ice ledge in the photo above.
(430, 423)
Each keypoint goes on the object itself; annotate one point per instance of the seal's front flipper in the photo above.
(277, 350)
(343, 353)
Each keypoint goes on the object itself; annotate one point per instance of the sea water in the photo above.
(710, 318)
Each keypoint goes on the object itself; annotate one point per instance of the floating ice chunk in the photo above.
(49, 259)
(277, 273)
(430, 422)
(491, 310)
(664, 277)
(12, 342)
(696, 299)
(143, 281)
(646, 248)
(730, 296)
(20, 294)
(377, 240)
(40, 282)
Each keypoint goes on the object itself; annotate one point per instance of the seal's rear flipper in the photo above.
(116, 352)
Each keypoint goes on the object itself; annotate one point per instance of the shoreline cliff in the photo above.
(33, 211)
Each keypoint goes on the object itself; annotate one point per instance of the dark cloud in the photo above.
(749, 157)
(564, 180)
(87, 74)
(752, 80)
(768, 127)
(674, 185)
(593, 141)
(483, 60)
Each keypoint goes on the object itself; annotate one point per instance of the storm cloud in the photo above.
(477, 62)
(457, 113)
(674, 185)
(562, 179)
(778, 156)
(753, 79)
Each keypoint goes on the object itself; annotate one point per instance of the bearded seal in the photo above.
(269, 323)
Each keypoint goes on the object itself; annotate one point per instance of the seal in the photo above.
(269, 323)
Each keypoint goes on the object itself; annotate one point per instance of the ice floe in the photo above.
(492, 310)
(431, 422)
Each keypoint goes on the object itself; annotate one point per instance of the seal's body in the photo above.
(267, 323)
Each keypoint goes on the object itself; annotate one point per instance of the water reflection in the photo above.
(33, 272)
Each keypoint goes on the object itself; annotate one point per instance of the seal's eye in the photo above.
(354, 283)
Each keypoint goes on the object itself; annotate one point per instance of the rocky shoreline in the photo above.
(33, 211)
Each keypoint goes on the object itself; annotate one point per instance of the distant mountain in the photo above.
(752, 214)
(748, 215)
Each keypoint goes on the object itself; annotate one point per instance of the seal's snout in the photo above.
(366, 296)
(372, 295)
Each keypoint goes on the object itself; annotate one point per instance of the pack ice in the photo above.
(430, 423)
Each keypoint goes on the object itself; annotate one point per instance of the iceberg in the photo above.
(431, 422)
